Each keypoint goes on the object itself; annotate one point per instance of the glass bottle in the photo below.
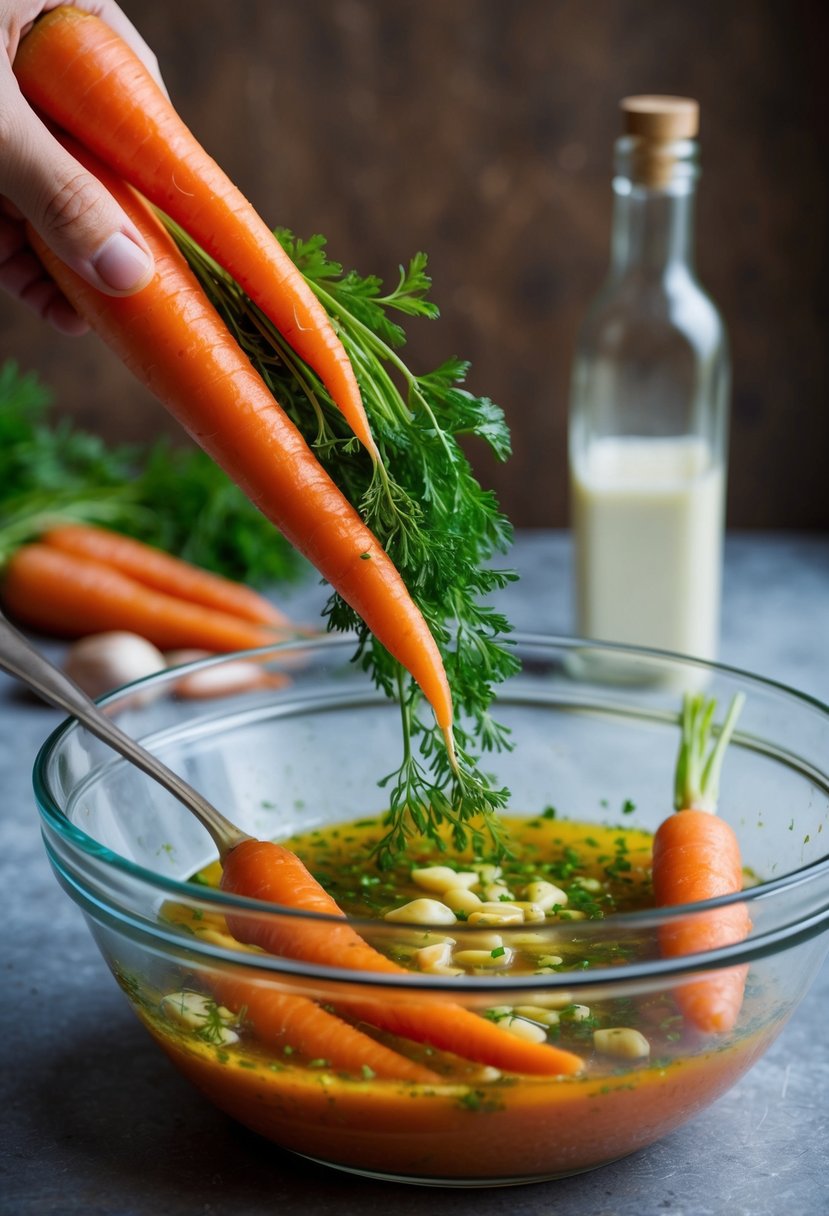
(649, 406)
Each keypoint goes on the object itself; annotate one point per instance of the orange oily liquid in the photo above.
(473, 1123)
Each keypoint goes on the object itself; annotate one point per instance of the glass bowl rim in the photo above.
(87, 845)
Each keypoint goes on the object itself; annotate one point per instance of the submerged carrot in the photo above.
(696, 857)
(163, 572)
(68, 596)
(451, 1027)
(174, 341)
(296, 1024)
(85, 77)
(269, 872)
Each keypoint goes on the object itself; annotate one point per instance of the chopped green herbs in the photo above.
(477, 1100)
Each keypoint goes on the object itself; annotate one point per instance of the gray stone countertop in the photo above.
(96, 1121)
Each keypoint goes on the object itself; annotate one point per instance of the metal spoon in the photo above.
(20, 659)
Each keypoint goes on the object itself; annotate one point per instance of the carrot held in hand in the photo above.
(269, 872)
(67, 596)
(174, 341)
(84, 76)
(163, 572)
(696, 857)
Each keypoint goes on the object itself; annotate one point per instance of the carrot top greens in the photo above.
(698, 766)
(426, 508)
(174, 498)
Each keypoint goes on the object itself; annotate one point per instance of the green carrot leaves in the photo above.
(175, 498)
(423, 503)
(698, 767)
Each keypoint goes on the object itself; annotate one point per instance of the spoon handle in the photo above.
(19, 658)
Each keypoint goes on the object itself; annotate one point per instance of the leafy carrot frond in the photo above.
(426, 508)
(409, 296)
(175, 498)
(310, 253)
(697, 775)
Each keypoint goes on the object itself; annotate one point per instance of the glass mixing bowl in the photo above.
(595, 733)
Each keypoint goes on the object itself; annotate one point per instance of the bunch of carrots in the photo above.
(116, 121)
(79, 579)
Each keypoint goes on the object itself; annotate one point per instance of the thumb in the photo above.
(70, 209)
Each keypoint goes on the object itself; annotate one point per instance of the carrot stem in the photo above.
(697, 776)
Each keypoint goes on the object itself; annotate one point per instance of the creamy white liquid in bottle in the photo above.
(649, 412)
(648, 521)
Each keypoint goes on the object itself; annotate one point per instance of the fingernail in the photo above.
(121, 263)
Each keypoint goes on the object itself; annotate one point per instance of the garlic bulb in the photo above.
(104, 661)
(224, 680)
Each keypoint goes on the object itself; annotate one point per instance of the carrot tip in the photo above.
(449, 740)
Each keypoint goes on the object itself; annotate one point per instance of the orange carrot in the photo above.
(267, 871)
(68, 596)
(173, 340)
(286, 1021)
(83, 76)
(450, 1027)
(696, 857)
(162, 572)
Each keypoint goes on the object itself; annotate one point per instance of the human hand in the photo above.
(40, 183)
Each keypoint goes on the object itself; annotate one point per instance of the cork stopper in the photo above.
(655, 117)
(655, 123)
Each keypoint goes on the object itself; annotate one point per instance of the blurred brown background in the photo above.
(481, 131)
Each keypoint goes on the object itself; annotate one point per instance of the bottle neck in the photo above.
(653, 208)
